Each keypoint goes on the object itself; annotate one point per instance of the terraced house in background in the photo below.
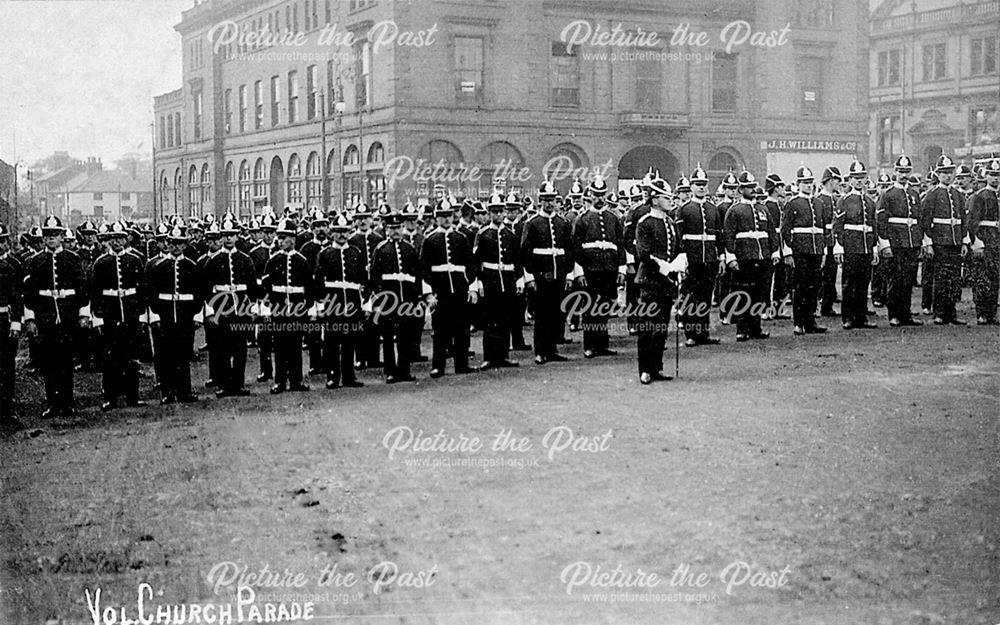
(487, 83)
(935, 76)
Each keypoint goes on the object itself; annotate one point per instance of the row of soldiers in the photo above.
(346, 286)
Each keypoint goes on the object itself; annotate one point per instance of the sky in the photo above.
(80, 75)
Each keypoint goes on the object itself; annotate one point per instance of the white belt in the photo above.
(447, 267)
(399, 277)
(807, 230)
(4, 309)
(948, 221)
(499, 266)
(118, 292)
(599, 245)
(57, 293)
(288, 289)
(342, 284)
(906, 221)
(828, 227)
(858, 227)
(752, 234)
(176, 297)
(989, 224)
(699, 237)
(230, 288)
(549, 251)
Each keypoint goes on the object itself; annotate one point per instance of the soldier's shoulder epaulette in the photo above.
(645, 217)
(98, 259)
(380, 244)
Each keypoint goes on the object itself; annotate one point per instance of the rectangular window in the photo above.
(565, 76)
(331, 95)
(275, 100)
(888, 68)
(983, 59)
(315, 14)
(648, 85)
(890, 138)
(934, 61)
(227, 100)
(243, 108)
(811, 86)
(311, 93)
(363, 77)
(258, 105)
(177, 128)
(468, 69)
(724, 83)
(293, 96)
(295, 17)
(983, 125)
(163, 132)
(329, 17)
(198, 101)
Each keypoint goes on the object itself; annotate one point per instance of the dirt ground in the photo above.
(855, 473)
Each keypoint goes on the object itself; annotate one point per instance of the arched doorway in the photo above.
(637, 161)
(931, 154)
(277, 184)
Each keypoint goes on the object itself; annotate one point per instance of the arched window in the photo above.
(231, 187)
(565, 163)
(194, 191)
(245, 186)
(294, 180)
(206, 188)
(259, 183)
(314, 181)
(433, 153)
(376, 153)
(351, 156)
(500, 151)
(721, 164)
(439, 150)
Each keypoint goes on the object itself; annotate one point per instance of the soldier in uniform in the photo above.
(451, 274)
(985, 237)
(212, 241)
(826, 199)
(118, 301)
(640, 206)
(55, 303)
(804, 239)
(514, 220)
(776, 192)
(699, 232)
(311, 250)
(499, 266)
(854, 248)
(288, 283)
(944, 223)
(341, 280)
(658, 263)
(366, 240)
(230, 284)
(598, 246)
(11, 311)
(549, 270)
(897, 214)
(731, 192)
(751, 250)
(173, 301)
(927, 261)
(397, 285)
(267, 225)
